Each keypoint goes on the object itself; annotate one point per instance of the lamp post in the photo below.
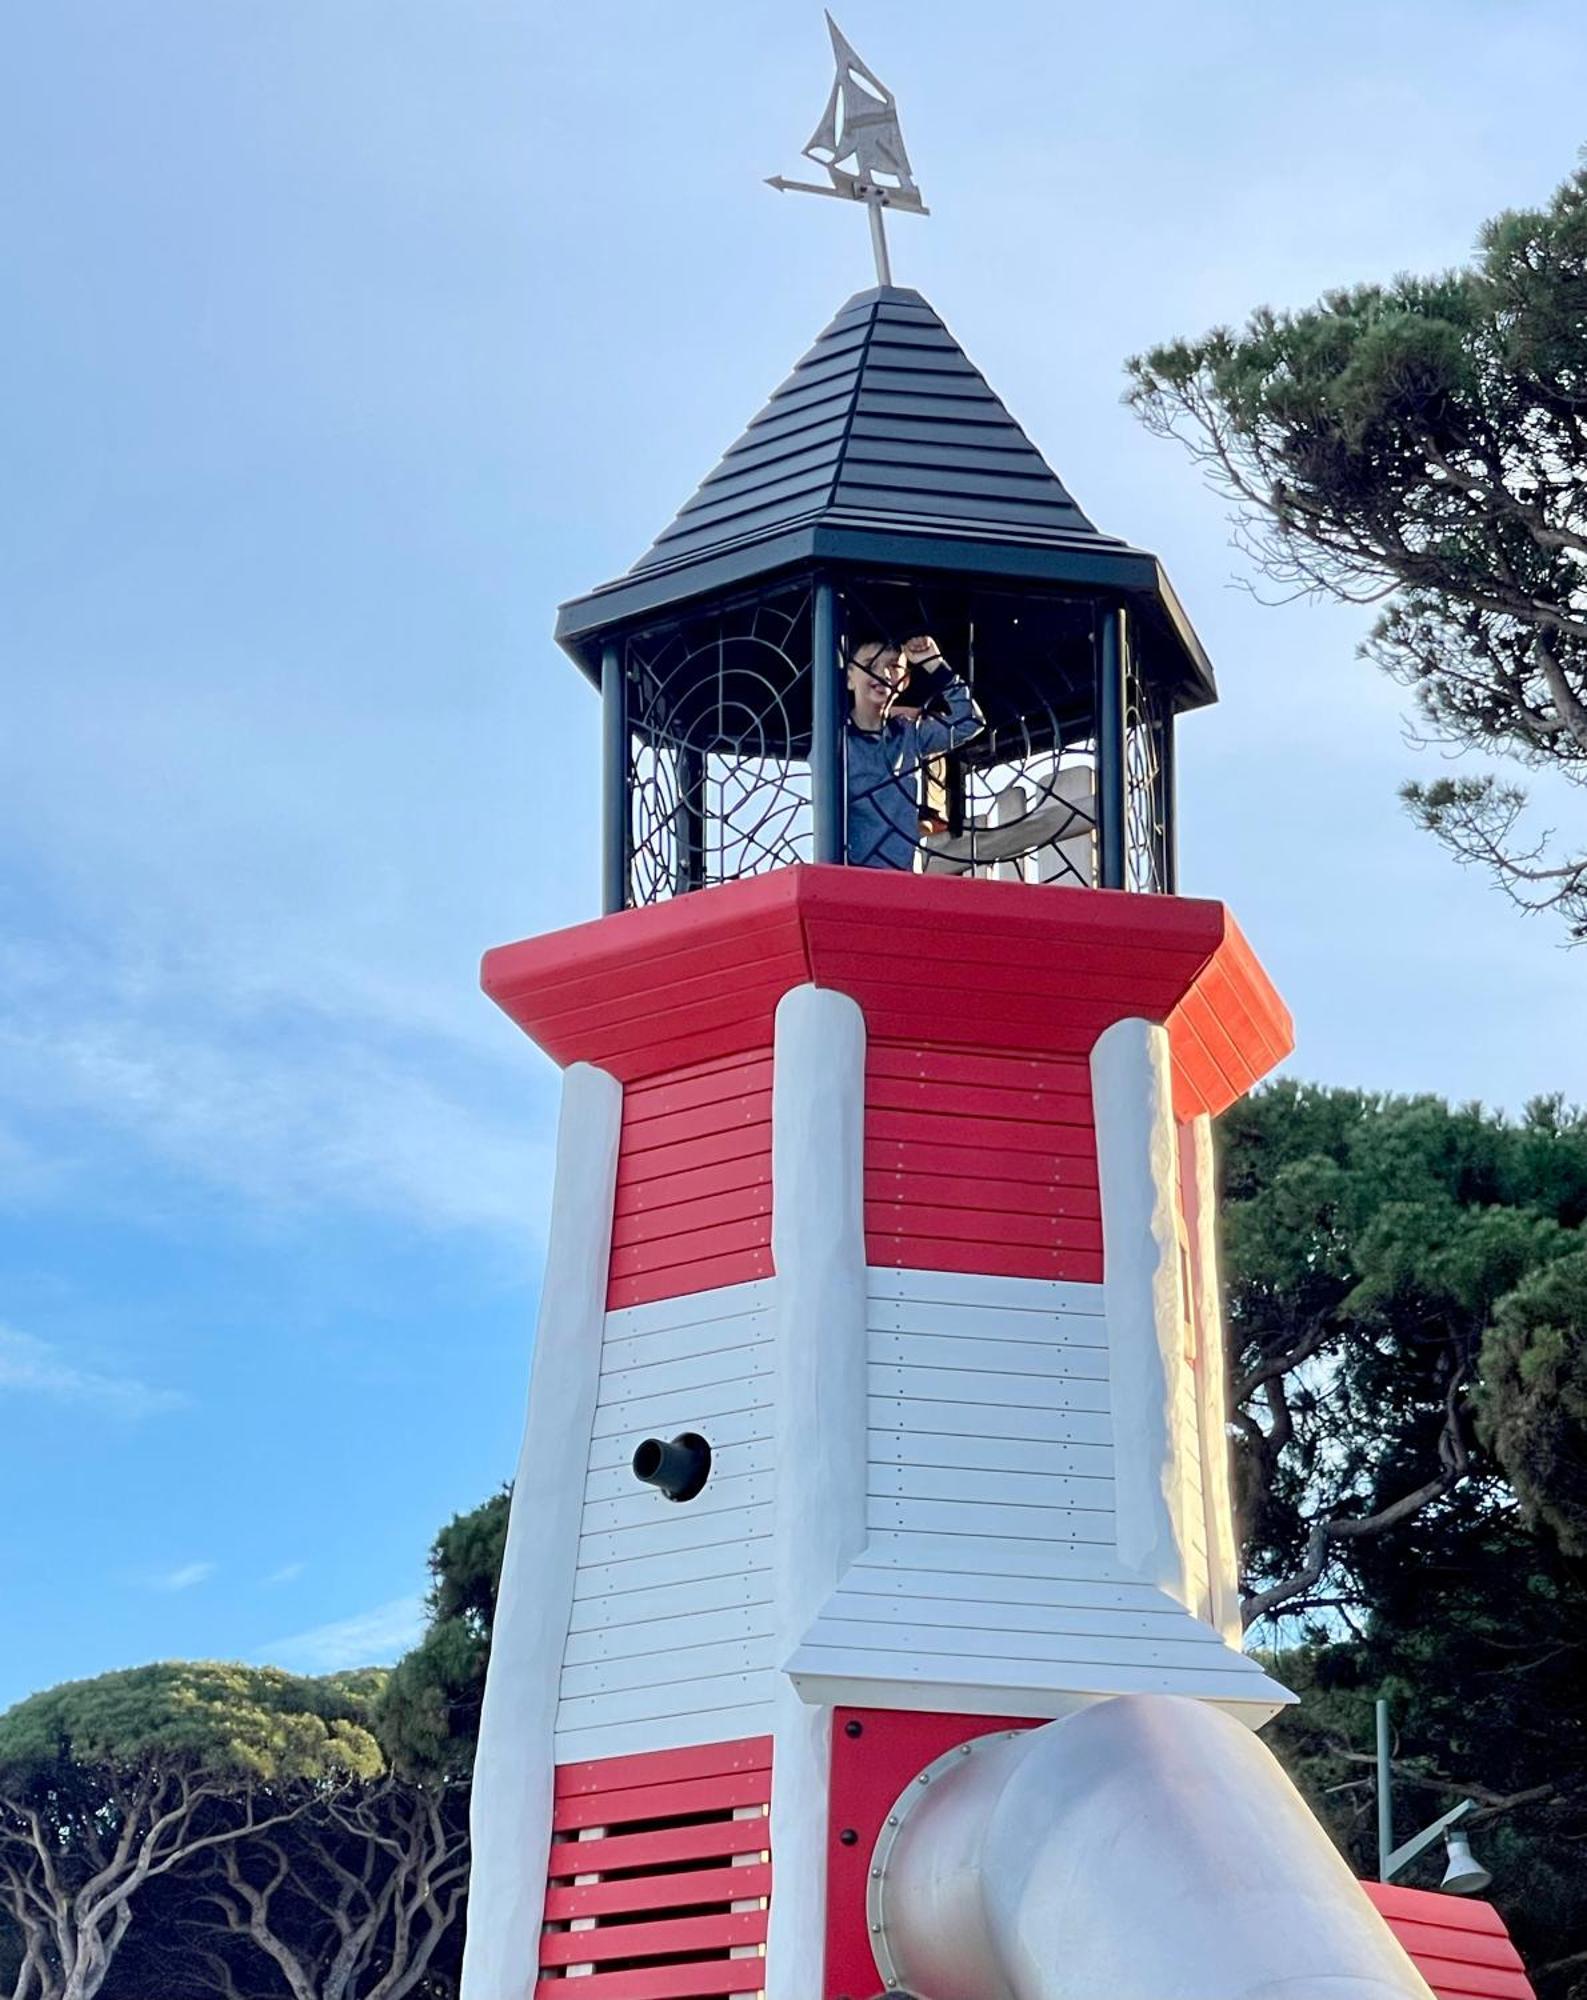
(1465, 1875)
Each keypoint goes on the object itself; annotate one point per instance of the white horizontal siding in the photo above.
(670, 1637)
(991, 1577)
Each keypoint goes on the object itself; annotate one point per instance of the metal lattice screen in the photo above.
(984, 765)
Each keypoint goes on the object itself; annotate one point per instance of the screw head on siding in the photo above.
(853, 1728)
(848, 1836)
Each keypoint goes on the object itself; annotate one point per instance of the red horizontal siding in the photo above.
(675, 1882)
(1460, 1947)
(693, 1206)
(976, 1161)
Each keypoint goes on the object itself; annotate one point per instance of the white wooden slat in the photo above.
(925, 1546)
(967, 1385)
(696, 1531)
(617, 1482)
(962, 1485)
(968, 1681)
(976, 1288)
(627, 1612)
(642, 1668)
(995, 1357)
(992, 1421)
(990, 1454)
(979, 1518)
(973, 1587)
(958, 1615)
(728, 1494)
(687, 1371)
(677, 1570)
(715, 1336)
(1036, 1649)
(672, 1732)
(689, 1310)
(676, 1410)
(731, 1430)
(664, 1636)
(987, 1322)
(696, 1697)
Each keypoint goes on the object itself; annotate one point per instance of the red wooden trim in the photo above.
(711, 1841)
(693, 1981)
(995, 1230)
(945, 1136)
(664, 1801)
(631, 1226)
(648, 1191)
(1037, 1167)
(737, 1078)
(935, 1253)
(689, 1246)
(645, 1136)
(1460, 1947)
(1041, 1195)
(664, 1767)
(948, 1100)
(658, 1892)
(736, 1142)
(670, 1934)
(1021, 1072)
(708, 1276)
(877, 968)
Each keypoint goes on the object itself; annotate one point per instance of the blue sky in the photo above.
(333, 355)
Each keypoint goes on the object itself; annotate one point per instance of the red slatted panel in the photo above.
(977, 1161)
(693, 1206)
(660, 1875)
(1460, 1947)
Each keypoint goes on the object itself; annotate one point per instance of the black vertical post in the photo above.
(690, 829)
(828, 700)
(1112, 792)
(1168, 803)
(614, 781)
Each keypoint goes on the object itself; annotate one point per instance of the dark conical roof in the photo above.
(887, 423)
(886, 450)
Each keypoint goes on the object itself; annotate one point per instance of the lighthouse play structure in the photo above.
(869, 1617)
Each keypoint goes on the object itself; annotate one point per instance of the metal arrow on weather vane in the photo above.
(860, 145)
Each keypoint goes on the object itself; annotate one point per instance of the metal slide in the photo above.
(1148, 1847)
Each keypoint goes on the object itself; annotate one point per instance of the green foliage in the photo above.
(1426, 440)
(1370, 1244)
(1533, 1403)
(238, 1726)
(429, 1714)
(1402, 1265)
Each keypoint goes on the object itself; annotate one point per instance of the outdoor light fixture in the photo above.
(1465, 1875)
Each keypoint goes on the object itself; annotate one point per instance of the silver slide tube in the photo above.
(1148, 1847)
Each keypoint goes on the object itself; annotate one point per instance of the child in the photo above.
(887, 742)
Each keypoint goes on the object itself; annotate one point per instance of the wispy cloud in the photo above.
(30, 1366)
(367, 1639)
(183, 1577)
(287, 1573)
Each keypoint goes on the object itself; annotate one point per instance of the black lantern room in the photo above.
(885, 496)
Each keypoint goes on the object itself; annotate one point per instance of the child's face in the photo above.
(876, 673)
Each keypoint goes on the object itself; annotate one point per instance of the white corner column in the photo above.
(818, 1324)
(514, 1769)
(1138, 1172)
(1198, 1180)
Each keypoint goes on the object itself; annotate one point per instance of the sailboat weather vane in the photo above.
(861, 146)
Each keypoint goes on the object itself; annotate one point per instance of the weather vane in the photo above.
(860, 145)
